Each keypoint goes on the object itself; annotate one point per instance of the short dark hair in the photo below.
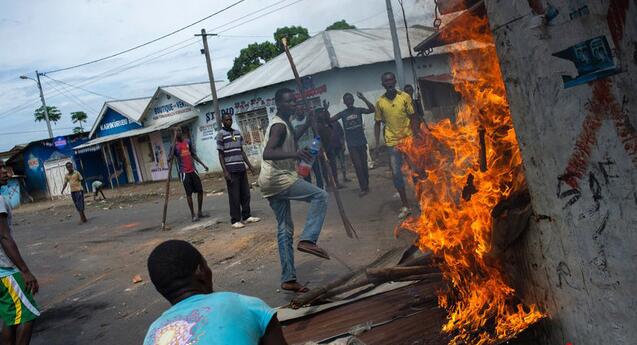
(171, 266)
(226, 115)
(67, 163)
(278, 95)
(408, 85)
(347, 94)
(386, 74)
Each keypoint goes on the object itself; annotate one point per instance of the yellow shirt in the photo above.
(75, 181)
(395, 114)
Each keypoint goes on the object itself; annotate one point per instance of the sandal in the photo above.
(294, 286)
(311, 248)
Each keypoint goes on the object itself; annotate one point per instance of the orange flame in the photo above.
(479, 302)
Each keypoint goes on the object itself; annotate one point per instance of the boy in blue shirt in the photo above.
(198, 315)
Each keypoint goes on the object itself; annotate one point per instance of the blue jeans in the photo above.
(280, 203)
(396, 162)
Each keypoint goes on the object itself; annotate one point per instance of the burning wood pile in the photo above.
(474, 184)
(473, 200)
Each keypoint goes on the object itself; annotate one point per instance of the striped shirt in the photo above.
(230, 142)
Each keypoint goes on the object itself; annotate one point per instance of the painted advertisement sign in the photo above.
(159, 168)
(167, 108)
(114, 123)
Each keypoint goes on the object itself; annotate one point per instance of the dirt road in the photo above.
(86, 271)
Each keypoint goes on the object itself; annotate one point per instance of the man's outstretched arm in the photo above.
(273, 334)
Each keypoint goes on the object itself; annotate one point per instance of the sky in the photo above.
(48, 35)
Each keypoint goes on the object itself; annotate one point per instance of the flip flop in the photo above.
(311, 248)
(203, 215)
(297, 289)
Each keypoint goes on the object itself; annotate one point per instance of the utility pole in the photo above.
(46, 111)
(213, 88)
(400, 72)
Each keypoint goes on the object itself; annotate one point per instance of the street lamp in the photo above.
(46, 111)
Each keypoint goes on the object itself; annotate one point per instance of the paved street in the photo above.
(86, 271)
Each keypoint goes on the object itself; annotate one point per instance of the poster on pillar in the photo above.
(159, 168)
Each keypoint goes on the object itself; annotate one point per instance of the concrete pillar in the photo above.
(570, 73)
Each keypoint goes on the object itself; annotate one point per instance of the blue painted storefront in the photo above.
(38, 152)
(114, 123)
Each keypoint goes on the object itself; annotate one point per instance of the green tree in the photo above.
(79, 117)
(340, 25)
(251, 57)
(77, 130)
(295, 35)
(256, 54)
(54, 114)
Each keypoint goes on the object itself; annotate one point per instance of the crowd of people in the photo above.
(179, 272)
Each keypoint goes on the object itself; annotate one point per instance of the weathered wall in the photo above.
(365, 79)
(580, 152)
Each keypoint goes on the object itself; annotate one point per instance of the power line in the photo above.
(147, 43)
(124, 67)
(73, 98)
(259, 17)
(79, 88)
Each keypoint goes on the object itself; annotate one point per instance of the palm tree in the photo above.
(54, 114)
(79, 117)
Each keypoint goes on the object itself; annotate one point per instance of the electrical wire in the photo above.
(79, 88)
(73, 98)
(147, 43)
(33, 131)
(133, 64)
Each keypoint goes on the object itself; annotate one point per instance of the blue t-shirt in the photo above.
(219, 318)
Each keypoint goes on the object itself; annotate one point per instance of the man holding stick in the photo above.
(280, 184)
(186, 158)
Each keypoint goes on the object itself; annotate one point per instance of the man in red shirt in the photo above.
(186, 156)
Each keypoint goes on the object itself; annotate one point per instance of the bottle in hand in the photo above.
(304, 168)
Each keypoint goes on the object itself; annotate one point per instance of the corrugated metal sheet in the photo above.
(324, 51)
(408, 315)
(136, 132)
(130, 108)
(189, 93)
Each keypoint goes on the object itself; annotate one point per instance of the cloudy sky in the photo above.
(49, 35)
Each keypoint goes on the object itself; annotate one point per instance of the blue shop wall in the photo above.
(114, 123)
(36, 153)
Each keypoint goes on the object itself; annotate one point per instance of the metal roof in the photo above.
(130, 108)
(189, 93)
(135, 132)
(324, 51)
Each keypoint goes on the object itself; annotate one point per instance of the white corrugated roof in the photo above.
(324, 51)
(130, 108)
(136, 132)
(189, 93)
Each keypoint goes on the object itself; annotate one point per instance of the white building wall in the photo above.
(579, 148)
(365, 79)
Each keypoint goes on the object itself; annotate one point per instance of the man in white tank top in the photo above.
(280, 183)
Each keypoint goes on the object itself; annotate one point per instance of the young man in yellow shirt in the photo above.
(395, 110)
(74, 179)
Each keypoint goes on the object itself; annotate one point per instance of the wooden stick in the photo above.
(314, 294)
(349, 229)
(392, 273)
(170, 171)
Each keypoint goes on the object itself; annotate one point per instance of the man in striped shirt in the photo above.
(233, 161)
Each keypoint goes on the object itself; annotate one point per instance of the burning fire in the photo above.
(458, 229)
